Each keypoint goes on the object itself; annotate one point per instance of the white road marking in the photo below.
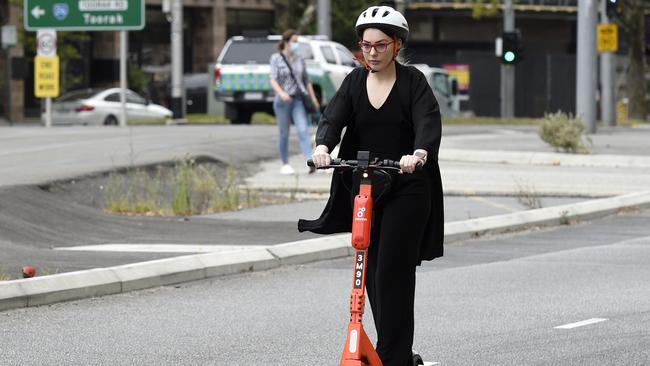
(430, 363)
(581, 323)
(161, 248)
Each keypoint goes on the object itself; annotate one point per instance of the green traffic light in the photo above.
(509, 56)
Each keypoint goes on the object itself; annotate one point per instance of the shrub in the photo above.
(565, 133)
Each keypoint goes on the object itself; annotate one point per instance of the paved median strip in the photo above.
(113, 280)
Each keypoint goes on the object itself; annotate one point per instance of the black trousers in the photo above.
(398, 226)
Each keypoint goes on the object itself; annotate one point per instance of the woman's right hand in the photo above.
(285, 97)
(321, 156)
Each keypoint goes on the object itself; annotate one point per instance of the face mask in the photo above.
(294, 47)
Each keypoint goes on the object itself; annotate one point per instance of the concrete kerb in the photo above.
(556, 215)
(113, 280)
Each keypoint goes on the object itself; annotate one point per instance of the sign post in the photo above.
(8, 40)
(84, 15)
(46, 70)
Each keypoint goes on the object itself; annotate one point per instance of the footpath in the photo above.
(493, 161)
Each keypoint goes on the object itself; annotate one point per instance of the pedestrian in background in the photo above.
(290, 82)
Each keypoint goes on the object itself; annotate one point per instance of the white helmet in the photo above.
(383, 17)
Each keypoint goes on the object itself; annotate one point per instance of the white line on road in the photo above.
(581, 323)
(161, 248)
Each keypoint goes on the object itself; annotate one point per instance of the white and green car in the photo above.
(241, 74)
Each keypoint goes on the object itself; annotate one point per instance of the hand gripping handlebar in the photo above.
(374, 164)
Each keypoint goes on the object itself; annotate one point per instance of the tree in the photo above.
(344, 17)
(301, 15)
(630, 17)
(481, 8)
(298, 15)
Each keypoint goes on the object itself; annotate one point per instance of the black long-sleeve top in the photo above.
(409, 119)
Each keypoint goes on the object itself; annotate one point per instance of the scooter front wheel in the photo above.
(417, 360)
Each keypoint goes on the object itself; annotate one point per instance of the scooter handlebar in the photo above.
(386, 163)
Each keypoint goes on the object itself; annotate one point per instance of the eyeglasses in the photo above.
(380, 46)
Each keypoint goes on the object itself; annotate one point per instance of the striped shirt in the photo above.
(280, 73)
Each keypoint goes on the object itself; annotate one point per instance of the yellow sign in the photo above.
(461, 72)
(46, 75)
(607, 37)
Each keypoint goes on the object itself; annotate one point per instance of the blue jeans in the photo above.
(285, 112)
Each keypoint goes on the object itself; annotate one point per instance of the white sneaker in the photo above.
(287, 170)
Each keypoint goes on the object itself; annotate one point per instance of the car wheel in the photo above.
(243, 117)
(110, 121)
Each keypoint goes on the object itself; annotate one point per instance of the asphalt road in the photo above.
(34, 221)
(490, 301)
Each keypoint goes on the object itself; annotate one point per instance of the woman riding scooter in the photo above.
(388, 109)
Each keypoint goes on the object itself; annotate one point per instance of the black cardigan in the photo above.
(420, 109)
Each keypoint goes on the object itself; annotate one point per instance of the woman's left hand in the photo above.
(408, 163)
(315, 102)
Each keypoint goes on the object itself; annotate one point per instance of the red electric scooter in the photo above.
(358, 350)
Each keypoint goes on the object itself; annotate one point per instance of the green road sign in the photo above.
(84, 15)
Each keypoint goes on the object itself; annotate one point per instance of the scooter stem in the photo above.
(358, 350)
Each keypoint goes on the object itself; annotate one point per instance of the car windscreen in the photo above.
(76, 95)
(253, 52)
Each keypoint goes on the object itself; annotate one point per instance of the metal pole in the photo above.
(607, 87)
(48, 112)
(123, 45)
(508, 71)
(586, 64)
(178, 102)
(8, 82)
(324, 19)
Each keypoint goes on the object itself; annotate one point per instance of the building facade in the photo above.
(443, 34)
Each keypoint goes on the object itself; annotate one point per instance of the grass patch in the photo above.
(631, 123)
(49, 271)
(564, 218)
(527, 196)
(4, 276)
(203, 118)
(185, 189)
(146, 122)
(259, 118)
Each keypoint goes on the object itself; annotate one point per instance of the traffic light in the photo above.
(511, 48)
(610, 8)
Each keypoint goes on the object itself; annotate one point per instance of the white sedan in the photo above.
(102, 107)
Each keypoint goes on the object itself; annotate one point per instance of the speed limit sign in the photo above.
(46, 42)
